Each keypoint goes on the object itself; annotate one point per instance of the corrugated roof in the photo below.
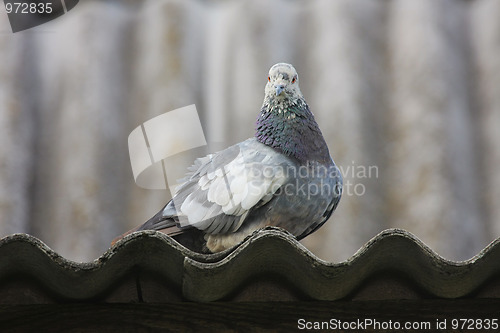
(268, 266)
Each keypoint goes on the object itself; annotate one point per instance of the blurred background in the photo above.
(408, 88)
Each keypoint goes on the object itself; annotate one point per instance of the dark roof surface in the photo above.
(268, 266)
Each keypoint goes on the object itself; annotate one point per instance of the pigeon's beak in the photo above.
(279, 88)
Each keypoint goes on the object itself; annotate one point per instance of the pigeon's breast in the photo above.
(306, 200)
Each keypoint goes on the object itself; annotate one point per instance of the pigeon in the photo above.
(284, 177)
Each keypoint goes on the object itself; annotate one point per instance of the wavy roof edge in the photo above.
(151, 258)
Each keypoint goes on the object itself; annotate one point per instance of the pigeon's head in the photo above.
(283, 82)
(285, 121)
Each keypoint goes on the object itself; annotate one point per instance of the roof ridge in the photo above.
(200, 277)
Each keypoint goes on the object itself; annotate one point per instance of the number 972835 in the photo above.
(28, 7)
(474, 324)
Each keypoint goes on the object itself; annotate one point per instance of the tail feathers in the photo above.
(116, 239)
(158, 222)
(191, 238)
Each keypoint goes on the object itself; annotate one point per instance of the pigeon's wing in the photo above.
(222, 188)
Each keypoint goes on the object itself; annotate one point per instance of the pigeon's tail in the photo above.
(191, 238)
(162, 223)
(159, 223)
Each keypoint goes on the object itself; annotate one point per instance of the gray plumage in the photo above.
(284, 177)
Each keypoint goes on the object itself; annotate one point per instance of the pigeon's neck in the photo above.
(289, 127)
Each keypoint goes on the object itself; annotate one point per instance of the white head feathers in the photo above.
(283, 83)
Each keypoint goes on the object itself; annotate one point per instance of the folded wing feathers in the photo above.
(219, 192)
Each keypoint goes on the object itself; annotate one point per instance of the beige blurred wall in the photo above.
(407, 94)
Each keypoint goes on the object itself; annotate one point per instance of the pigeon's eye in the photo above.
(269, 78)
(294, 79)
